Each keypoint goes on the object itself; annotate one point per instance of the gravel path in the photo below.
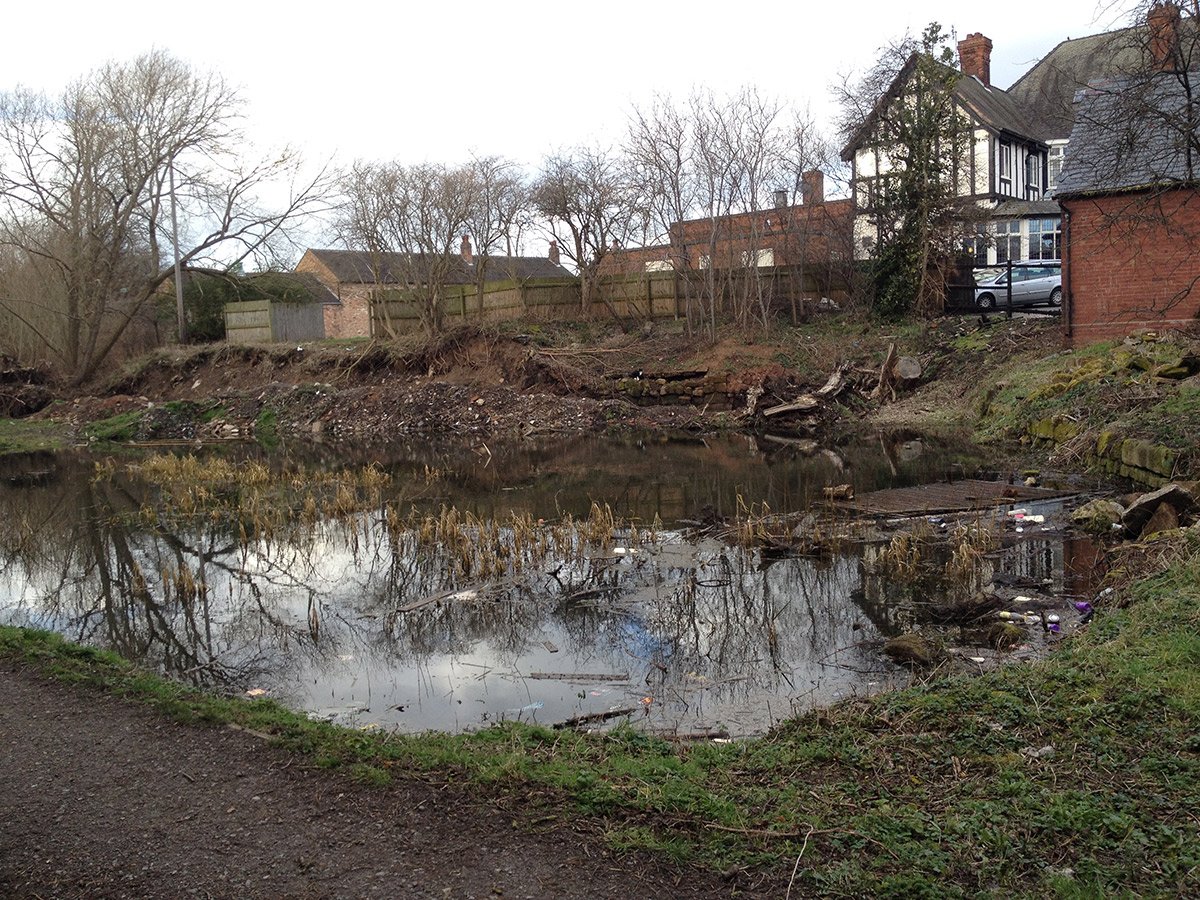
(102, 798)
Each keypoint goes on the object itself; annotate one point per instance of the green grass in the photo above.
(27, 436)
(931, 791)
(118, 428)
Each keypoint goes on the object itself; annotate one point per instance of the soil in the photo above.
(480, 384)
(106, 799)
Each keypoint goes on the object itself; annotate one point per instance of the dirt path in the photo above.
(100, 798)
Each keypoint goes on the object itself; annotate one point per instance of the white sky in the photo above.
(416, 81)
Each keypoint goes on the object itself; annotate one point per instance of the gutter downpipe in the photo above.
(1068, 299)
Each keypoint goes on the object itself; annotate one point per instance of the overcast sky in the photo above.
(424, 80)
(434, 81)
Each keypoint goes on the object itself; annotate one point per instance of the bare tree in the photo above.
(587, 198)
(410, 219)
(497, 214)
(86, 204)
(706, 166)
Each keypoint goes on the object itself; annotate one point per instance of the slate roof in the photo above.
(359, 267)
(1131, 134)
(993, 107)
(1048, 89)
(1014, 208)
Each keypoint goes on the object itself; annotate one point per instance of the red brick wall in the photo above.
(1131, 263)
(351, 317)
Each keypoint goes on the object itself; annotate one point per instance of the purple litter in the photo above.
(1055, 627)
(1083, 606)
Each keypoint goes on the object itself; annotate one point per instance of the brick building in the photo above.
(354, 277)
(1129, 192)
(814, 232)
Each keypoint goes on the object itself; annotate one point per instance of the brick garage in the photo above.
(1131, 263)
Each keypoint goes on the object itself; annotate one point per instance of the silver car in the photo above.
(1033, 281)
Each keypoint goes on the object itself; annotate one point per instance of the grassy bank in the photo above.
(1079, 776)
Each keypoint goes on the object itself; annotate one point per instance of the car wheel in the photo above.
(986, 301)
(1056, 297)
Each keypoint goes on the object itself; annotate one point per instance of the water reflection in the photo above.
(354, 618)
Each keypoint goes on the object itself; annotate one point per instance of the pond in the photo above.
(427, 586)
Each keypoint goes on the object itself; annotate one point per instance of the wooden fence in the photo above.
(266, 321)
(644, 295)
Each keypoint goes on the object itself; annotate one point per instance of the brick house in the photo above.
(354, 277)
(813, 233)
(1130, 192)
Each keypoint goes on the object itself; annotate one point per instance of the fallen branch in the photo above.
(589, 718)
(803, 403)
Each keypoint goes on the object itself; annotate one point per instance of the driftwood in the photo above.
(752, 397)
(590, 718)
(835, 384)
(803, 403)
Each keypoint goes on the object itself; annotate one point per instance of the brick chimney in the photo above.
(467, 255)
(975, 57)
(554, 255)
(1163, 24)
(812, 187)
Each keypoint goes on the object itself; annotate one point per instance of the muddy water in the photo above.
(350, 620)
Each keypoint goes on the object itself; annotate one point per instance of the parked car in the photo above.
(1034, 281)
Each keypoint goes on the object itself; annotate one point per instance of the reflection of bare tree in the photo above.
(698, 626)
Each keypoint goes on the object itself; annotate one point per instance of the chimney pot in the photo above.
(781, 199)
(554, 254)
(467, 255)
(975, 57)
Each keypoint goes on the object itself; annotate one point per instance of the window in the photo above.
(659, 265)
(758, 258)
(1045, 238)
(1033, 176)
(977, 246)
(1008, 240)
(1054, 166)
(1004, 166)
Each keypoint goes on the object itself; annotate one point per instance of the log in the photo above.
(803, 403)
(579, 676)
(907, 369)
